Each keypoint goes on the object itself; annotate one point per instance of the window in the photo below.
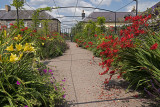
(8, 25)
(40, 24)
(25, 24)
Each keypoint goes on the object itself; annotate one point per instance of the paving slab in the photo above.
(84, 86)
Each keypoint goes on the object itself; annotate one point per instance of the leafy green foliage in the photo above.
(35, 16)
(18, 3)
(90, 28)
(101, 25)
(52, 49)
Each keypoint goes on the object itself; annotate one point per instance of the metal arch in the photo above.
(84, 7)
(91, 8)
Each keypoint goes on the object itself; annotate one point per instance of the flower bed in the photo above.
(133, 54)
(24, 81)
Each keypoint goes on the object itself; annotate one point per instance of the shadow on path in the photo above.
(68, 104)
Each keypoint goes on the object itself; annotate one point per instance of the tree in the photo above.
(90, 28)
(35, 16)
(45, 28)
(78, 28)
(18, 4)
(101, 25)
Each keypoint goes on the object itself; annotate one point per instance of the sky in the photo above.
(68, 22)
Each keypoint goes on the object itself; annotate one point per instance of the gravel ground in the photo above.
(84, 86)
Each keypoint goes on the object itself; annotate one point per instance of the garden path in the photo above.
(84, 86)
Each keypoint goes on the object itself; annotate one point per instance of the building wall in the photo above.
(53, 25)
(113, 24)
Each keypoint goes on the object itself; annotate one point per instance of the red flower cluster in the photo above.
(34, 31)
(95, 35)
(11, 24)
(3, 27)
(42, 38)
(110, 49)
(137, 21)
(26, 28)
(90, 43)
(154, 46)
(22, 30)
(87, 46)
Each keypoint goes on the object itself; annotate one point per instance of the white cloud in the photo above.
(83, 3)
(63, 11)
(104, 2)
(142, 6)
(66, 2)
(26, 7)
(39, 2)
(43, 6)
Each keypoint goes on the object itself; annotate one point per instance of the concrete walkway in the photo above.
(84, 86)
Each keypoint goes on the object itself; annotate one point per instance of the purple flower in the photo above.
(50, 70)
(152, 84)
(55, 88)
(45, 71)
(63, 88)
(51, 73)
(52, 82)
(64, 80)
(153, 8)
(26, 106)
(18, 83)
(64, 96)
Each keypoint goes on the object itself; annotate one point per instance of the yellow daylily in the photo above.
(18, 47)
(5, 33)
(19, 37)
(42, 43)
(20, 56)
(16, 38)
(28, 47)
(13, 58)
(10, 48)
(31, 49)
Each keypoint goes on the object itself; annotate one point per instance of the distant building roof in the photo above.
(110, 16)
(23, 14)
